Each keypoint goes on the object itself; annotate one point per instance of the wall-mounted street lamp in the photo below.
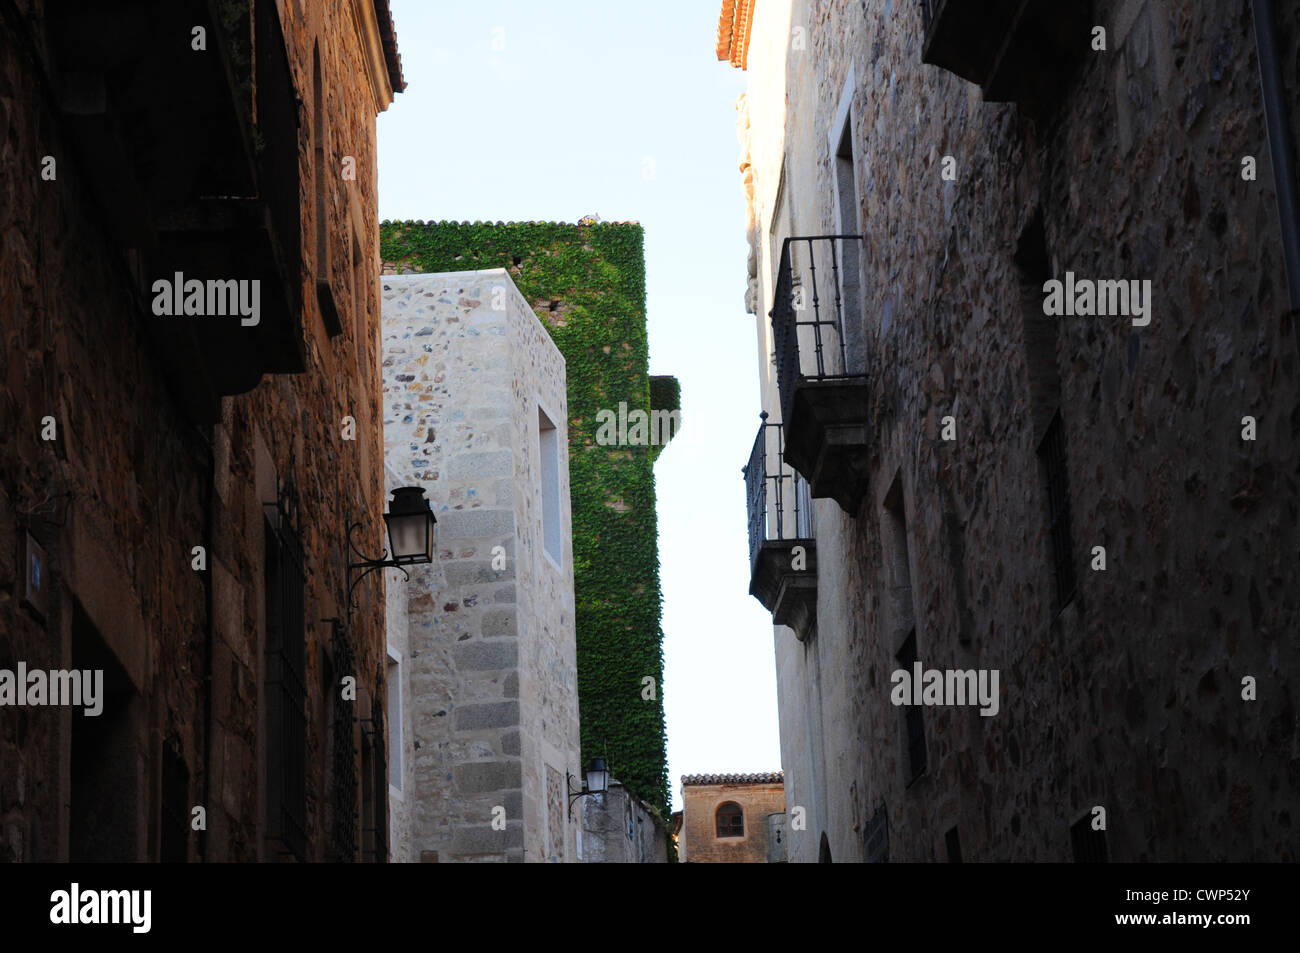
(596, 782)
(410, 537)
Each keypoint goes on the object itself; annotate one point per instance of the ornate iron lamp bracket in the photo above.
(367, 566)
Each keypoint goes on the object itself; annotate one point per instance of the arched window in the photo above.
(730, 820)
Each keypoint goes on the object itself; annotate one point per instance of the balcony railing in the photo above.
(782, 552)
(808, 311)
(191, 158)
(817, 329)
(1016, 50)
(277, 106)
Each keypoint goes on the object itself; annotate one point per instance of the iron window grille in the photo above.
(343, 747)
(913, 716)
(174, 808)
(285, 679)
(380, 779)
(1052, 453)
(1089, 845)
(952, 841)
(797, 281)
(374, 781)
(876, 837)
(277, 105)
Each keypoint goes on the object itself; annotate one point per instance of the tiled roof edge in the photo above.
(588, 224)
(763, 777)
(388, 35)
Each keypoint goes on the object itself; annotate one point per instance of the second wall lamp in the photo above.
(410, 524)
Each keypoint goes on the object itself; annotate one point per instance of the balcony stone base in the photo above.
(1020, 51)
(789, 594)
(827, 439)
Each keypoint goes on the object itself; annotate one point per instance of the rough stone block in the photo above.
(483, 839)
(475, 524)
(492, 463)
(470, 572)
(486, 656)
(499, 622)
(487, 715)
(480, 776)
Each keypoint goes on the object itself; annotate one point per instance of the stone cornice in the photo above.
(374, 25)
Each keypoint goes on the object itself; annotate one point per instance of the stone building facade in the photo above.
(617, 827)
(177, 473)
(732, 818)
(586, 284)
(482, 652)
(1097, 504)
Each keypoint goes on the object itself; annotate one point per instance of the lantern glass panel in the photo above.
(410, 536)
(597, 777)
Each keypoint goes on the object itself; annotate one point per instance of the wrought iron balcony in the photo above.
(191, 156)
(1015, 50)
(816, 308)
(782, 552)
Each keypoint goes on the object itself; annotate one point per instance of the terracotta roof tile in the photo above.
(734, 22)
(388, 34)
(762, 777)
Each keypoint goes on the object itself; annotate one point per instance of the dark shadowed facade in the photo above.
(1029, 378)
(181, 461)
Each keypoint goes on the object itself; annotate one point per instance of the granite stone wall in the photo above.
(586, 284)
(619, 828)
(1130, 697)
(491, 679)
(130, 485)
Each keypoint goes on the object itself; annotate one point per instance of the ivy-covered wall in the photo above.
(586, 283)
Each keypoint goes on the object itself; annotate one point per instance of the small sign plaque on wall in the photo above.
(36, 594)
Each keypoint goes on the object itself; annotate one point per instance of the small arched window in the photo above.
(731, 820)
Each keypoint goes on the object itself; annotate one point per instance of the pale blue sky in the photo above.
(518, 110)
